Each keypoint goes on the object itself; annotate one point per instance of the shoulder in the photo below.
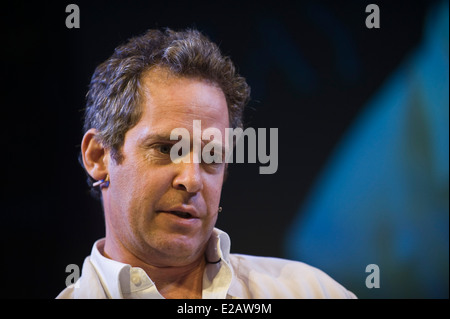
(267, 277)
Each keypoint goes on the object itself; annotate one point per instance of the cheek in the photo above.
(213, 192)
(120, 197)
(138, 185)
(123, 181)
(133, 196)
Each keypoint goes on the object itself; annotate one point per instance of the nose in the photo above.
(189, 177)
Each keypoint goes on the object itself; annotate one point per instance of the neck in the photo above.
(177, 282)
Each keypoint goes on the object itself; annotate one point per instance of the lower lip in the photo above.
(179, 221)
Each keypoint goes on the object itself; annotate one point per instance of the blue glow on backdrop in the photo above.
(383, 198)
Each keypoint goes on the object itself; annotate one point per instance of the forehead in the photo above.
(170, 101)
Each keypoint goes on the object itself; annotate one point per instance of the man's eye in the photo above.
(164, 148)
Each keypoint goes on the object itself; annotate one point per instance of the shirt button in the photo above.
(136, 280)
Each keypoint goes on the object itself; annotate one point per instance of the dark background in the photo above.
(312, 65)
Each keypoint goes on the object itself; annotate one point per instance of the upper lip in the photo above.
(185, 209)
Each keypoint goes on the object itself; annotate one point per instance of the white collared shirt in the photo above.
(235, 276)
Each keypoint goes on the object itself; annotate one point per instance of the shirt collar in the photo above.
(123, 281)
(218, 271)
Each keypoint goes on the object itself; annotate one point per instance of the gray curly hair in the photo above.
(115, 93)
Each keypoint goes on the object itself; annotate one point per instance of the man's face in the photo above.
(163, 212)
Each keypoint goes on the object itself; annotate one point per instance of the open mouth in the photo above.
(181, 214)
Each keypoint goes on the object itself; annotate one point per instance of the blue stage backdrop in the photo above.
(383, 197)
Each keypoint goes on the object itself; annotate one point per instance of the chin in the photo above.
(178, 248)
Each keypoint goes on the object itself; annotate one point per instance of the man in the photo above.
(160, 214)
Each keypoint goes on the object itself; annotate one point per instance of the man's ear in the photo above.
(95, 156)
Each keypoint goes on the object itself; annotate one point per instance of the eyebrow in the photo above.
(152, 137)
